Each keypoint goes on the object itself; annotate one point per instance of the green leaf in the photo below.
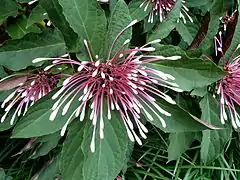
(112, 4)
(137, 12)
(6, 124)
(24, 1)
(213, 141)
(2, 72)
(18, 54)
(56, 16)
(219, 9)
(195, 3)
(176, 149)
(179, 121)
(235, 40)
(8, 8)
(36, 121)
(88, 20)
(187, 31)
(47, 143)
(189, 73)
(17, 28)
(169, 24)
(37, 15)
(51, 171)
(111, 153)
(3, 176)
(119, 19)
(207, 45)
(200, 91)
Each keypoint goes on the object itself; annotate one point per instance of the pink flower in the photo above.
(30, 88)
(123, 82)
(229, 91)
(161, 8)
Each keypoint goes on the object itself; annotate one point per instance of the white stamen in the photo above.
(92, 146)
(97, 63)
(85, 90)
(155, 41)
(55, 96)
(95, 73)
(137, 138)
(127, 41)
(132, 23)
(4, 117)
(111, 91)
(83, 113)
(40, 59)
(64, 128)
(101, 134)
(103, 75)
(48, 67)
(13, 117)
(80, 68)
(53, 115)
(66, 107)
(148, 49)
(8, 99)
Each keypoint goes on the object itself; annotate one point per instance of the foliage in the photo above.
(198, 41)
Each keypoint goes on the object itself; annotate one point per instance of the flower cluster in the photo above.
(161, 8)
(30, 88)
(229, 91)
(123, 82)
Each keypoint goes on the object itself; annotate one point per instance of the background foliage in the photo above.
(187, 149)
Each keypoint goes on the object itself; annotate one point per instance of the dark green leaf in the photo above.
(188, 31)
(18, 54)
(6, 124)
(169, 23)
(179, 121)
(200, 91)
(106, 162)
(189, 73)
(179, 143)
(36, 122)
(56, 16)
(51, 171)
(38, 14)
(119, 19)
(213, 141)
(3, 176)
(235, 40)
(88, 20)
(17, 28)
(112, 4)
(47, 143)
(7, 8)
(137, 12)
(195, 3)
(219, 9)
(24, 1)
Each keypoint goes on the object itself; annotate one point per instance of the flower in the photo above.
(31, 2)
(229, 91)
(123, 82)
(162, 8)
(218, 44)
(104, 1)
(30, 88)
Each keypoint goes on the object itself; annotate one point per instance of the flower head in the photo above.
(229, 91)
(161, 8)
(124, 83)
(29, 88)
